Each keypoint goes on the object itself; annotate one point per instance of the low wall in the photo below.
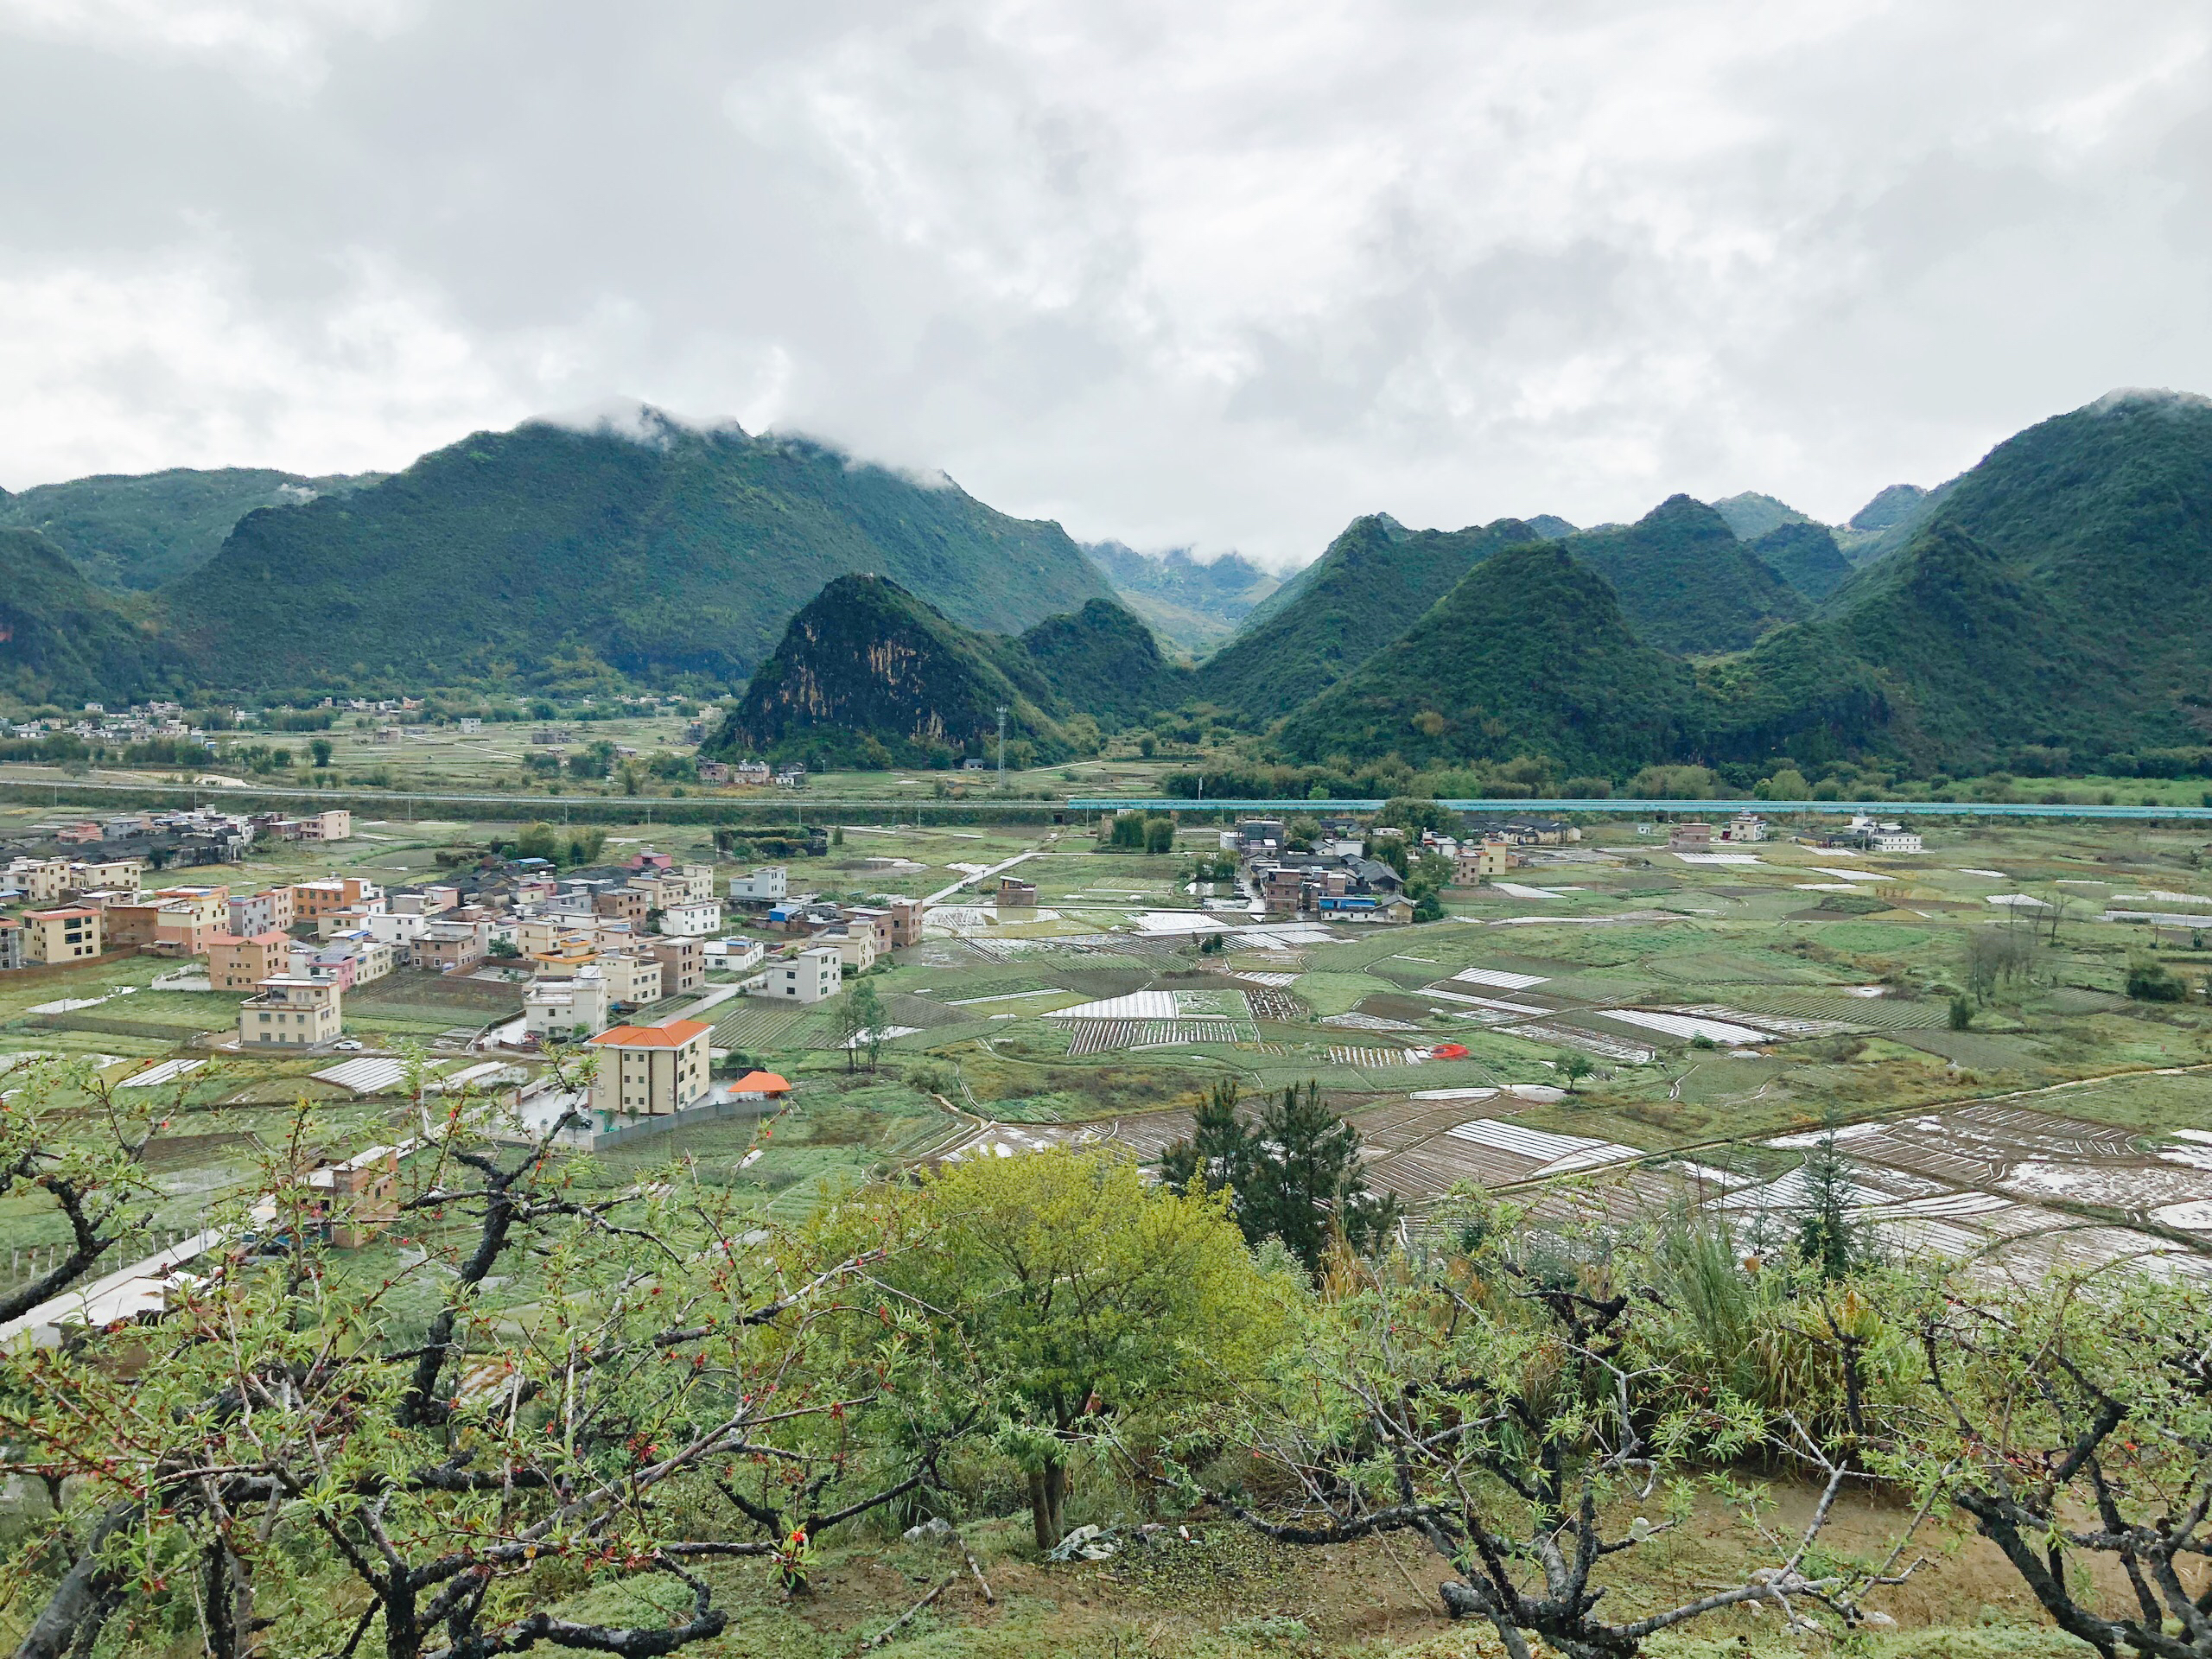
(39, 970)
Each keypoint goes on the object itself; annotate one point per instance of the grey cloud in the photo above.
(1221, 275)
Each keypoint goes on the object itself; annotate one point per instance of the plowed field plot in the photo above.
(985, 986)
(1590, 1042)
(924, 1012)
(1494, 1151)
(1367, 1059)
(1270, 1004)
(1873, 1012)
(1105, 1036)
(1973, 1185)
(753, 1025)
(1365, 1021)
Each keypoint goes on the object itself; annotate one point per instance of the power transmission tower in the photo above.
(1001, 745)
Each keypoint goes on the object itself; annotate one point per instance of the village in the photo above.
(1054, 976)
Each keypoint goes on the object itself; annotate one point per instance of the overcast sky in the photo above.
(1225, 275)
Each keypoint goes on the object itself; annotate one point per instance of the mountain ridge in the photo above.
(681, 554)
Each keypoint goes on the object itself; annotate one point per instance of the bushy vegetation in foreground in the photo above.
(547, 1385)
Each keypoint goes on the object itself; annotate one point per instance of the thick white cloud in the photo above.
(1225, 275)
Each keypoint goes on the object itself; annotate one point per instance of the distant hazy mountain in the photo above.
(1752, 515)
(1806, 556)
(1890, 506)
(1886, 522)
(128, 531)
(1195, 603)
(661, 551)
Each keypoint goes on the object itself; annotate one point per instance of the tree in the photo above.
(320, 747)
(2076, 1423)
(1575, 1065)
(287, 1460)
(1296, 1175)
(1961, 1013)
(2150, 980)
(594, 760)
(538, 840)
(1216, 1155)
(1998, 954)
(1160, 834)
(1085, 1297)
(1512, 1404)
(1413, 814)
(1827, 1232)
(67, 1142)
(862, 1020)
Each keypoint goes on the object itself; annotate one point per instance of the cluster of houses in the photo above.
(1865, 833)
(1697, 837)
(602, 943)
(167, 840)
(140, 723)
(1334, 880)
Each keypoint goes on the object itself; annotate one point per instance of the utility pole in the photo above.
(1001, 746)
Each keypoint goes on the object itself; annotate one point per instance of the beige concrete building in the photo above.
(239, 964)
(651, 1071)
(1484, 859)
(54, 937)
(290, 1011)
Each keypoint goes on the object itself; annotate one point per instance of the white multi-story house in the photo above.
(555, 1008)
(813, 976)
(762, 886)
(692, 921)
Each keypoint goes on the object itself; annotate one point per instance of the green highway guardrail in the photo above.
(706, 809)
(1545, 808)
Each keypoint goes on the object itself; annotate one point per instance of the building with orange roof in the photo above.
(759, 1085)
(650, 1071)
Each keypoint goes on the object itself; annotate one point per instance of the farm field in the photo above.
(1628, 1026)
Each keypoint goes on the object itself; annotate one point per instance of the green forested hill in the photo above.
(684, 552)
(2059, 595)
(63, 640)
(1528, 655)
(868, 674)
(131, 531)
(1375, 581)
(1686, 583)
(1806, 556)
(1102, 660)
